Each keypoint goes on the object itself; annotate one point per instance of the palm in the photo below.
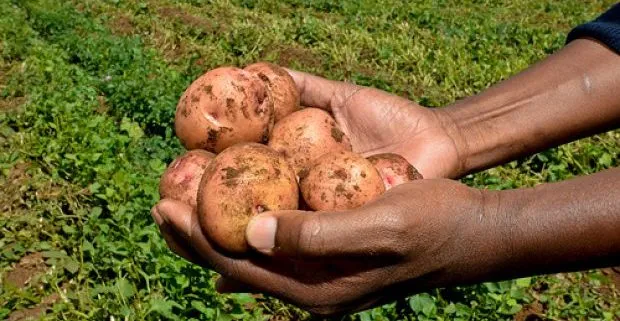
(378, 122)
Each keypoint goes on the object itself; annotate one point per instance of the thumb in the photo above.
(300, 234)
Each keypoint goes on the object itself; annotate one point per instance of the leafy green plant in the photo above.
(89, 131)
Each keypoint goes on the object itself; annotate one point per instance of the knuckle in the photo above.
(309, 238)
(229, 270)
(352, 92)
(193, 228)
(393, 234)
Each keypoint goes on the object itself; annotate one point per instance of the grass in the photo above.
(88, 90)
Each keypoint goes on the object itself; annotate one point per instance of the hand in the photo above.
(417, 236)
(379, 122)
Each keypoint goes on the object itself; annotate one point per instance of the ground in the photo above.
(87, 96)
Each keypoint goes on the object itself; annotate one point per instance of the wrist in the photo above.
(485, 129)
(473, 244)
(459, 136)
(503, 209)
(485, 248)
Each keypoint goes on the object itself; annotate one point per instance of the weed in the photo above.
(87, 97)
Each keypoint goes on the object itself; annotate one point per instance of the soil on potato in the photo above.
(413, 173)
(337, 134)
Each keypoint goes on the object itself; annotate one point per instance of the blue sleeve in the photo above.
(605, 29)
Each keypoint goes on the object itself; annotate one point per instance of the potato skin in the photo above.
(280, 86)
(306, 135)
(394, 169)
(181, 179)
(223, 107)
(340, 181)
(242, 181)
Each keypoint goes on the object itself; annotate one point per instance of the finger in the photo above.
(322, 93)
(178, 215)
(372, 230)
(262, 276)
(228, 285)
(174, 241)
(300, 284)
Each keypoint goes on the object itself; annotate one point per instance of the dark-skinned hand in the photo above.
(330, 263)
(435, 232)
(376, 122)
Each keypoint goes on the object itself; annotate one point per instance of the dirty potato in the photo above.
(242, 181)
(306, 135)
(223, 107)
(340, 181)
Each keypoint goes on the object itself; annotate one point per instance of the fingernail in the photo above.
(261, 233)
(156, 216)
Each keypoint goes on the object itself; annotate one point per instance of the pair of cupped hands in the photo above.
(409, 240)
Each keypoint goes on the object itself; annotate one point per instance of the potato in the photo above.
(242, 181)
(306, 135)
(394, 169)
(181, 179)
(339, 181)
(280, 85)
(223, 107)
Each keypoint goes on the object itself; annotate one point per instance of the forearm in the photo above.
(559, 227)
(572, 94)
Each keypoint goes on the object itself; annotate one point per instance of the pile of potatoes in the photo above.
(252, 148)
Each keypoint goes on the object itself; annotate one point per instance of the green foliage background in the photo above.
(88, 90)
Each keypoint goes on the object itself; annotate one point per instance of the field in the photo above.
(87, 96)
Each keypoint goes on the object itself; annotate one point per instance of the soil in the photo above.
(614, 275)
(11, 194)
(613, 289)
(35, 312)
(11, 103)
(535, 311)
(102, 107)
(203, 25)
(287, 55)
(122, 25)
(26, 271)
(530, 312)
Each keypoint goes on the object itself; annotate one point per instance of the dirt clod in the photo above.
(530, 312)
(121, 25)
(337, 134)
